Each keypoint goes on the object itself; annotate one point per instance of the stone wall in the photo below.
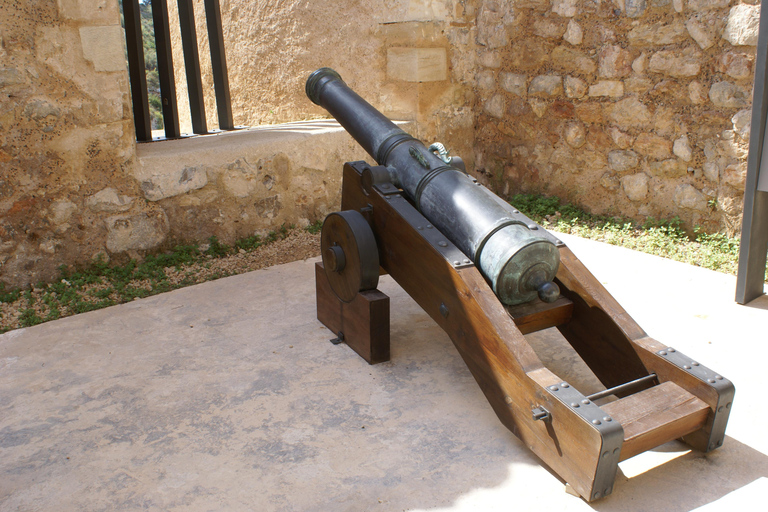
(638, 108)
(66, 132)
(412, 59)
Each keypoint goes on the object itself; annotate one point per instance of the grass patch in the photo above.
(665, 238)
(100, 285)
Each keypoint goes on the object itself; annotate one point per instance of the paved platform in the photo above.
(228, 396)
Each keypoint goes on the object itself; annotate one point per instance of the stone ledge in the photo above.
(226, 160)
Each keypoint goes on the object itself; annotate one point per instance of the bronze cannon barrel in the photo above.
(520, 263)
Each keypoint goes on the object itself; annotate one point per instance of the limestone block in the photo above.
(572, 61)
(491, 30)
(623, 161)
(621, 139)
(637, 84)
(735, 175)
(613, 62)
(171, 182)
(10, 77)
(496, 106)
(700, 33)
(589, 112)
(108, 200)
(546, 86)
(490, 59)
(711, 171)
(653, 146)
(573, 33)
(609, 88)
(634, 8)
(548, 28)
(575, 134)
(728, 95)
(62, 211)
(565, 8)
(609, 181)
(742, 121)
(104, 47)
(687, 197)
(671, 63)
(417, 64)
(485, 80)
(635, 186)
(426, 10)
(697, 92)
(90, 11)
(669, 168)
(706, 5)
(639, 64)
(514, 83)
(677, 5)
(574, 87)
(136, 232)
(658, 34)
(682, 149)
(743, 22)
(529, 53)
(538, 106)
(736, 65)
(37, 110)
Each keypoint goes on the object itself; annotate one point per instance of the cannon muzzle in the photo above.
(518, 260)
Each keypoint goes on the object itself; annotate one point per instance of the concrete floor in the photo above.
(228, 396)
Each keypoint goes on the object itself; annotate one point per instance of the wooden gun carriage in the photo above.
(407, 217)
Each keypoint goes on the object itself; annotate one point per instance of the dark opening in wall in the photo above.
(150, 64)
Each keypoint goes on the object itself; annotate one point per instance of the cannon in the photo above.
(488, 275)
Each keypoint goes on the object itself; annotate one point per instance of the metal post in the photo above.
(165, 68)
(754, 227)
(192, 66)
(135, 48)
(219, 64)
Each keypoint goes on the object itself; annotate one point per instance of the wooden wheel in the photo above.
(350, 256)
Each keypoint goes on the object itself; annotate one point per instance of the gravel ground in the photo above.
(39, 304)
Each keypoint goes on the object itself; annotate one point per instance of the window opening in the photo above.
(150, 64)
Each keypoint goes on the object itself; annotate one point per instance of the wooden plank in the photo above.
(503, 363)
(328, 304)
(655, 416)
(538, 315)
(600, 330)
(364, 322)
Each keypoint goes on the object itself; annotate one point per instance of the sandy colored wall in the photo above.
(66, 132)
(636, 107)
(412, 59)
(639, 108)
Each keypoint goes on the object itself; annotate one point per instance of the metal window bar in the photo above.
(165, 68)
(754, 227)
(192, 66)
(135, 47)
(219, 64)
(160, 21)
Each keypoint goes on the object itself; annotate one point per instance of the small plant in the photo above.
(315, 227)
(216, 248)
(248, 244)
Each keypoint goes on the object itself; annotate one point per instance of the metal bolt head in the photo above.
(663, 352)
(575, 405)
(442, 243)
(586, 402)
(607, 418)
(596, 422)
(564, 385)
(554, 388)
